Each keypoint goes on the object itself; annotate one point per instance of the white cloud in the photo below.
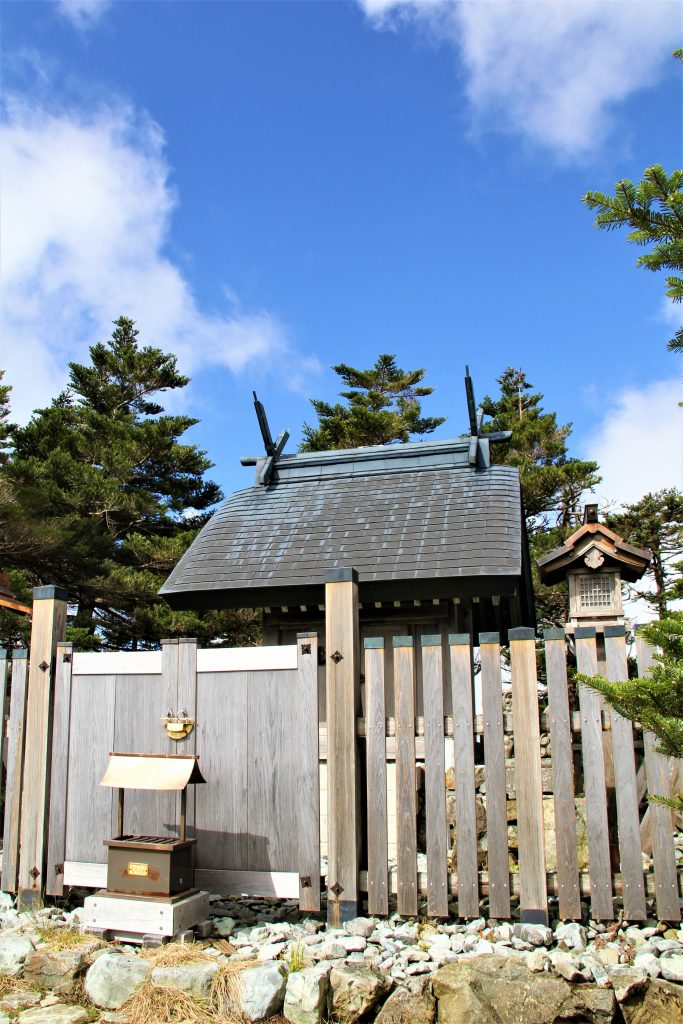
(551, 71)
(83, 14)
(86, 213)
(639, 442)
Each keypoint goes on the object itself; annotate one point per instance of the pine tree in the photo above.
(653, 208)
(383, 407)
(106, 497)
(656, 522)
(5, 425)
(552, 482)
(656, 700)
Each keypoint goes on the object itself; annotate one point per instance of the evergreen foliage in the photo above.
(653, 208)
(102, 496)
(656, 701)
(383, 406)
(552, 481)
(656, 522)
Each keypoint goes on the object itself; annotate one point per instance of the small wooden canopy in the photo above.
(594, 546)
(152, 771)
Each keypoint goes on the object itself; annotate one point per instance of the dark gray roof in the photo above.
(413, 512)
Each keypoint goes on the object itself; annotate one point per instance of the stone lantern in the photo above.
(594, 561)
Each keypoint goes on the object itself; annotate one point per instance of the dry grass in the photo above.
(56, 937)
(152, 1004)
(172, 954)
(10, 985)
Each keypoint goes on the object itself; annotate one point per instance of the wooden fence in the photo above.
(397, 752)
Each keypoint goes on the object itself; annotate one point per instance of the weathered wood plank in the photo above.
(602, 907)
(494, 755)
(186, 700)
(56, 842)
(4, 679)
(465, 806)
(283, 884)
(308, 797)
(533, 893)
(273, 771)
(628, 819)
(563, 775)
(343, 705)
(15, 772)
(406, 809)
(89, 812)
(222, 804)
(376, 774)
(47, 629)
(661, 819)
(435, 776)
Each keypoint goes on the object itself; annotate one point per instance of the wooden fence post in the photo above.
(494, 756)
(4, 671)
(59, 772)
(309, 785)
(343, 706)
(376, 776)
(657, 768)
(15, 771)
(47, 629)
(533, 889)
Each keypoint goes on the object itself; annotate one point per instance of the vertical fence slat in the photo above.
(494, 756)
(435, 777)
(602, 907)
(406, 810)
(465, 805)
(187, 701)
(625, 783)
(308, 804)
(661, 818)
(4, 672)
(59, 772)
(376, 774)
(527, 732)
(563, 775)
(15, 769)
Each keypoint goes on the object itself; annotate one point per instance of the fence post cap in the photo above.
(341, 576)
(489, 638)
(19, 652)
(50, 594)
(617, 629)
(554, 634)
(373, 643)
(585, 633)
(402, 641)
(459, 639)
(521, 633)
(430, 640)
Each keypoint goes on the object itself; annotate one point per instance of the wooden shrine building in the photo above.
(434, 532)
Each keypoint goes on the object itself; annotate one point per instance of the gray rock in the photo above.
(352, 943)
(193, 978)
(626, 980)
(59, 970)
(534, 934)
(672, 967)
(13, 952)
(224, 926)
(113, 978)
(571, 936)
(647, 962)
(261, 990)
(503, 989)
(59, 1013)
(14, 1001)
(567, 968)
(536, 960)
(306, 994)
(403, 1006)
(355, 989)
(361, 926)
(659, 1003)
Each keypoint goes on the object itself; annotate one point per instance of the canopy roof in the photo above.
(419, 519)
(152, 771)
(611, 552)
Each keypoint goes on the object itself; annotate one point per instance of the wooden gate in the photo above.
(257, 818)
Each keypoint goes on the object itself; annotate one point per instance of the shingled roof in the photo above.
(417, 519)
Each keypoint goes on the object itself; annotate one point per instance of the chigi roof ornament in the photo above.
(479, 454)
(273, 448)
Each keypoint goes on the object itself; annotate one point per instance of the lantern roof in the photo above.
(594, 546)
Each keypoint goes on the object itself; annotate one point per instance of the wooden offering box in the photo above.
(147, 866)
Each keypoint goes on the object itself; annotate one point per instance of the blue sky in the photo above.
(272, 187)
